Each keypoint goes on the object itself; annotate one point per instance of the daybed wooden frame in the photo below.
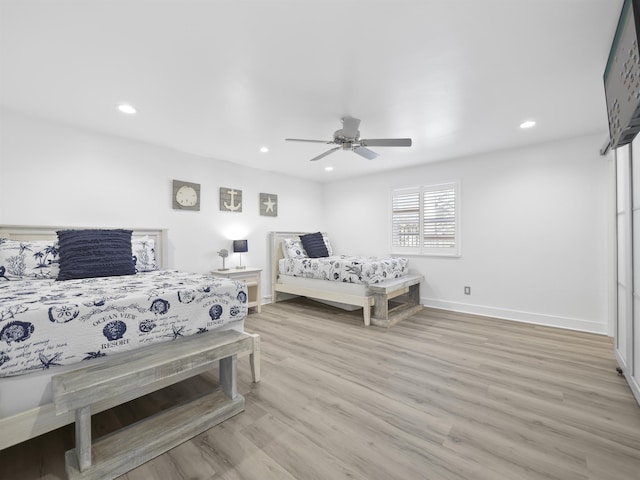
(36, 421)
(404, 291)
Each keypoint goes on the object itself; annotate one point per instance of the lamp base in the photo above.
(223, 269)
(240, 267)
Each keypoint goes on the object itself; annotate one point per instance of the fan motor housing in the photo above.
(338, 137)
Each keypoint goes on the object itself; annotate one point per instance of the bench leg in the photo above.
(228, 376)
(83, 437)
(414, 294)
(381, 307)
(254, 358)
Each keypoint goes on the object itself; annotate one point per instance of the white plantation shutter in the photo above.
(405, 221)
(426, 220)
(439, 216)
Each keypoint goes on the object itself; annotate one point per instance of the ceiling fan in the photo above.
(348, 138)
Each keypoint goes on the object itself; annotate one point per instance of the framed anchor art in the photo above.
(230, 200)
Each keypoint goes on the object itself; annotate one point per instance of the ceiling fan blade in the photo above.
(365, 152)
(350, 127)
(322, 155)
(303, 140)
(386, 142)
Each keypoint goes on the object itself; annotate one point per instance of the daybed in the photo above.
(72, 348)
(391, 289)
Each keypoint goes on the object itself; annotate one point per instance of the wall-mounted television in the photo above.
(622, 77)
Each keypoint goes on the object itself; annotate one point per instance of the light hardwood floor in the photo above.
(438, 396)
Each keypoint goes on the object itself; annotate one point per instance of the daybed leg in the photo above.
(83, 437)
(254, 358)
(228, 375)
(366, 311)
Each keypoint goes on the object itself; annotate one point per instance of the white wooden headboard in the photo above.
(31, 232)
(277, 254)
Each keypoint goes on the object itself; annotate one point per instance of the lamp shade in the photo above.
(240, 246)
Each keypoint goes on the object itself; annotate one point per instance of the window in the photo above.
(426, 220)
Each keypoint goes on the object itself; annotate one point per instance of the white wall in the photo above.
(534, 224)
(534, 232)
(54, 175)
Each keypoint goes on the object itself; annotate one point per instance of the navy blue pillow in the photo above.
(95, 253)
(314, 244)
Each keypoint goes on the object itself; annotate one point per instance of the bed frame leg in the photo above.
(83, 437)
(254, 358)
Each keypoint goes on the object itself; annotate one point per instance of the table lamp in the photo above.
(240, 246)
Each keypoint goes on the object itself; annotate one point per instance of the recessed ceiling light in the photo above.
(264, 149)
(127, 109)
(527, 124)
(328, 169)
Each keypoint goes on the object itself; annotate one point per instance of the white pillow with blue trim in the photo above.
(35, 259)
(292, 248)
(144, 254)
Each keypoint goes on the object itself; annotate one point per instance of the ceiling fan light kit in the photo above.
(348, 138)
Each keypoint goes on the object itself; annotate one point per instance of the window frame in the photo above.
(421, 249)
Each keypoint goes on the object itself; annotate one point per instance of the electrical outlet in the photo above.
(467, 290)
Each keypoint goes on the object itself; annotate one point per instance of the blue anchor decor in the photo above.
(230, 200)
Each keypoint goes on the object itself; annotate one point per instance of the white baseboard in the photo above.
(635, 387)
(628, 375)
(519, 316)
(506, 314)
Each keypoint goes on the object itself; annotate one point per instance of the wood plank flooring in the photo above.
(438, 396)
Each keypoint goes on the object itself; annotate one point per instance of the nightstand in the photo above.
(250, 276)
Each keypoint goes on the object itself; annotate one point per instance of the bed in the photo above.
(149, 311)
(385, 285)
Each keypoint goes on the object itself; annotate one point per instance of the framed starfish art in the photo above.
(268, 204)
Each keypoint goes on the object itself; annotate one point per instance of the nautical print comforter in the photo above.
(345, 268)
(44, 323)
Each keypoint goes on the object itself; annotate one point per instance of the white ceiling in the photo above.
(224, 78)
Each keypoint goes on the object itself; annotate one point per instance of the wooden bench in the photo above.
(395, 299)
(137, 373)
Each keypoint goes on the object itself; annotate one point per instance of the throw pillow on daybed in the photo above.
(95, 253)
(314, 244)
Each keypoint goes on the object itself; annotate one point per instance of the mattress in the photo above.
(345, 268)
(46, 324)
